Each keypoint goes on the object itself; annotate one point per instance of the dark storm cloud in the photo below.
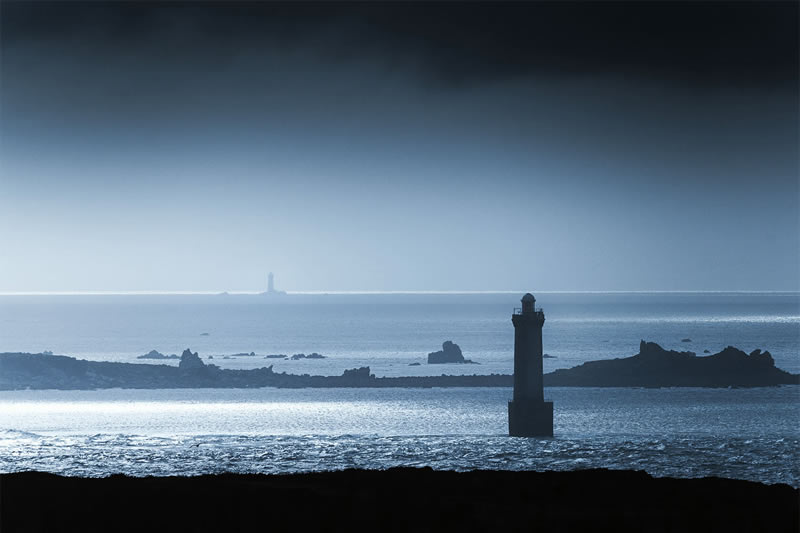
(739, 44)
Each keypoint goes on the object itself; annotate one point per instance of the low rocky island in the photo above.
(651, 367)
(39, 371)
(152, 354)
(654, 366)
(314, 355)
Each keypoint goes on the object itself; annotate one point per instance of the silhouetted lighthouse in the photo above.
(270, 282)
(528, 414)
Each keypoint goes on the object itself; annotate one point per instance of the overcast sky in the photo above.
(168, 146)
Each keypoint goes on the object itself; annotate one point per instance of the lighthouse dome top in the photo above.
(528, 303)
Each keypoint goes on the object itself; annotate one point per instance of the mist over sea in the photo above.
(739, 433)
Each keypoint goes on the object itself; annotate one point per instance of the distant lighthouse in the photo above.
(270, 283)
(528, 414)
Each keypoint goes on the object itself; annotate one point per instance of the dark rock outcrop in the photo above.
(191, 361)
(358, 374)
(655, 367)
(450, 353)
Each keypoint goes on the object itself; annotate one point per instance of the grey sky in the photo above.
(192, 147)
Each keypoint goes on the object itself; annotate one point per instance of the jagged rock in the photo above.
(450, 353)
(190, 361)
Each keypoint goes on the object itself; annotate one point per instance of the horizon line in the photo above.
(378, 292)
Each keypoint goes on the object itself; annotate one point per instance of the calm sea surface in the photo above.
(741, 433)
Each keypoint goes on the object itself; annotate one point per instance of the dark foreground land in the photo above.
(396, 500)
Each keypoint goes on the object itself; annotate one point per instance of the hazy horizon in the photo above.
(398, 147)
(376, 292)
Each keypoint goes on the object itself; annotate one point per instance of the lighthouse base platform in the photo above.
(530, 419)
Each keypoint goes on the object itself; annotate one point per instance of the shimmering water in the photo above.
(743, 433)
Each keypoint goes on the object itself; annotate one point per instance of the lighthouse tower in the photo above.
(528, 414)
(270, 283)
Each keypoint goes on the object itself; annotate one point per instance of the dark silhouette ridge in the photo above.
(654, 366)
(398, 499)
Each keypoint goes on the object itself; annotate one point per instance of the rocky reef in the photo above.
(651, 367)
(654, 366)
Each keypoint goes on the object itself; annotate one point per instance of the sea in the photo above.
(751, 434)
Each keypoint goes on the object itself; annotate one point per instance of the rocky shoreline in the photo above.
(400, 499)
(652, 367)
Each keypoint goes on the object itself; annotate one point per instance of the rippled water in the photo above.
(742, 433)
